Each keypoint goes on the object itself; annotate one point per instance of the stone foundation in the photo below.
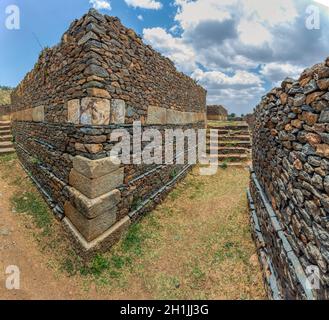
(289, 186)
(100, 78)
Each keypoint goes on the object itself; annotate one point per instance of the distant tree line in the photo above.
(5, 88)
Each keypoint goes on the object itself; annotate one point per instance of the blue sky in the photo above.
(236, 49)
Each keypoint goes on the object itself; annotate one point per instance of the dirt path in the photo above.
(196, 245)
(37, 280)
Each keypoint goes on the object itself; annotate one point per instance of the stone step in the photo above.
(231, 132)
(4, 128)
(6, 144)
(5, 132)
(234, 128)
(6, 138)
(232, 138)
(5, 123)
(245, 144)
(229, 150)
(234, 164)
(6, 151)
(234, 157)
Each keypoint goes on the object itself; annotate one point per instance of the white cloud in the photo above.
(276, 72)
(217, 79)
(144, 4)
(140, 17)
(232, 45)
(100, 4)
(174, 48)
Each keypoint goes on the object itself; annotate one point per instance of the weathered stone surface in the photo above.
(97, 71)
(310, 118)
(95, 111)
(93, 169)
(313, 139)
(118, 111)
(99, 93)
(323, 150)
(156, 115)
(323, 84)
(93, 188)
(73, 111)
(90, 228)
(93, 148)
(324, 116)
(310, 87)
(88, 36)
(38, 114)
(92, 208)
(291, 167)
(299, 100)
(99, 61)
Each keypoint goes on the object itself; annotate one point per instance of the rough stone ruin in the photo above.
(217, 113)
(289, 190)
(100, 77)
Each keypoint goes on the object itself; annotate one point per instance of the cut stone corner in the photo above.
(87, 249)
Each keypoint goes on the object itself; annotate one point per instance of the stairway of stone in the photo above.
(234, 143)
(6, 139)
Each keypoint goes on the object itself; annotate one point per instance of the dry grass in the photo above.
(196, 245)
(5, 96)
(225, 123)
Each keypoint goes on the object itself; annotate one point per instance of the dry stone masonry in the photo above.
(289, 191)
(99, 78)
(233, 147)
(6, 139)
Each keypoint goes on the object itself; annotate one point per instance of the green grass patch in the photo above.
(8, 158)
(32, 204)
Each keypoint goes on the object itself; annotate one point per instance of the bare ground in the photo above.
(196, 245)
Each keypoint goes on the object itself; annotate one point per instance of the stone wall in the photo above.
(290, 186)
(100, 78)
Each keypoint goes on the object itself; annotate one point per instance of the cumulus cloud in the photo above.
(245, 45)
(276, 72)
(100, 4)
(174, 48)
(144, 4)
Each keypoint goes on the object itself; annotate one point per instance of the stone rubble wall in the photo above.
(101, 77)
(290, 185)
(5, 110)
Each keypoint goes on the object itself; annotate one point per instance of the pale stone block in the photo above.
(95, 111)
(118, 111)
(90, 228)
(92, 208)
(93, 188)
(100, 244)
(38, 114)
(73, 111)
(156, 115)
(27, 114)
(170, 116)
(93, 169)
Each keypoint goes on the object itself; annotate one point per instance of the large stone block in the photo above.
(95, 111)
(73, 111)
(118, 111)
(27, 114)
(90, 228)
(156, 115)
(93, 188)
(93, 169)
(100, 244)
(38, 114)
(92, 208)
